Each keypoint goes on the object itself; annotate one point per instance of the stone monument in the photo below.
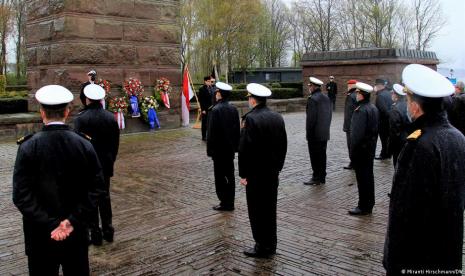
(118, 38)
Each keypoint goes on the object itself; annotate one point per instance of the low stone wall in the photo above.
(13, 126)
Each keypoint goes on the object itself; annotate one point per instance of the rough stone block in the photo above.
(40, 32)
(58, 28)
(120, 54)
(43, 55)
(108, 29)
(31, 56)
(76, 27)
(158, 56)
(151, 33)
(85, 6)
(123, 8)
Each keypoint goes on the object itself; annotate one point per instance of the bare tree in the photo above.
(275, 34)
(5, 28)
(429, 21)
(20, 26)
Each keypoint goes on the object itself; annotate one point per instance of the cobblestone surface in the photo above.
(162, 195)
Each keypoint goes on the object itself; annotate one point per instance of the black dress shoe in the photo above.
(108, 233)
(349, 167)
(252, 252)
(314, 182)
(382, 157)
(358, 212)
(96, 237)
(222, 208)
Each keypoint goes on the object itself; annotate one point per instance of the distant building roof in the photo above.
(370, 53)
(271, 69)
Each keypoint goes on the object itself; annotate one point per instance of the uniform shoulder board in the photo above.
(87, 137)
(24, 139)
(414, 135)
(358, 107)
(211, 107)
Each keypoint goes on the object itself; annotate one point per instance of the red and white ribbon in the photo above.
(120, 119)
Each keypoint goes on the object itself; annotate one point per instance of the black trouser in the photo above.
(317, 151)
(262, 197)
(384, 137)
(348, 145)
(71, 254)
(103, 208)
(204, 125)
(365, 183)
(333, 103)
(224, 180)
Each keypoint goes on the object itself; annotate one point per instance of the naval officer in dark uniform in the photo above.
(262, 151)
(91, 76)
(222, 144)
(205, 100)
(425, 228)
(56, 182)
(398, 122)
(383, 104)
(101, 126)
(317, 129)
(363, 138)
(349, 107)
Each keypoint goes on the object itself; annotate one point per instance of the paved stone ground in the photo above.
(162, 195)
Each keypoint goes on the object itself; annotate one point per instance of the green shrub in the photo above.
(277, 93)
(298, 85)
(11, 79)
(285, 93)
(275, 85)
(23, 94)
(240, 86)
(2, 84)
(238, 95)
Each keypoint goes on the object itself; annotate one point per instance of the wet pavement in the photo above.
(162, 194)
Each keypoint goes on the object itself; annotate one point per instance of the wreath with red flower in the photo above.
(133, 87)
(118, 104)
(106, 85)
(163, 90)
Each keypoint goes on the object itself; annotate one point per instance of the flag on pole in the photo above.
(186, 96)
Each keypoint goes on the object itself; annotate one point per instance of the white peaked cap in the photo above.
(426, 82)
(53, 95)
(258, 90)
(315, 81)
(399, 89)
(223, 86)
(94, 92)
(364, 87)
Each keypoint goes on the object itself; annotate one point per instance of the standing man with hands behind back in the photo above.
(222, 144)
(102, 127)
(262, 151)
(57, 180)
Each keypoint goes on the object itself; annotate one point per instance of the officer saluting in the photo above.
(222, 144)
(101, 125)
(363, 137)
(262, 150)
(425, 229)
(56, 182)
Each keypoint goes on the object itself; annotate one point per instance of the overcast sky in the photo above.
(449, 45)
